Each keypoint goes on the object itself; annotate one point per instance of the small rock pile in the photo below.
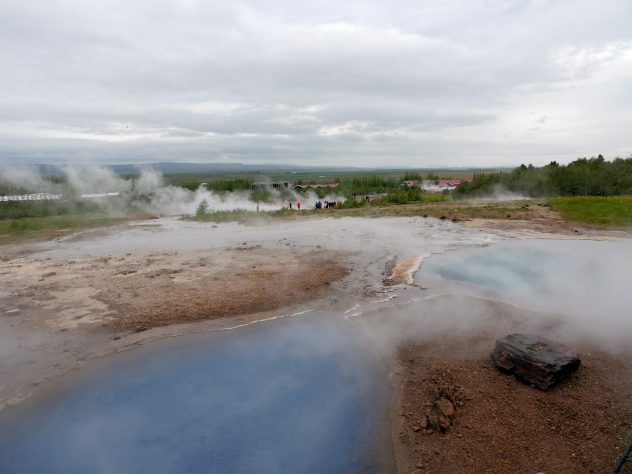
(442, 410)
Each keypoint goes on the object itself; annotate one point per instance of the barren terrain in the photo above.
(140, 292)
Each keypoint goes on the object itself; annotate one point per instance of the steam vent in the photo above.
(534, 359)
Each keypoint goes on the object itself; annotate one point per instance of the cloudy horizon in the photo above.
(367, 84)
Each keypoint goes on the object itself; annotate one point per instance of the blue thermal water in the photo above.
(295, 395)
(506, 268)
(580, 276)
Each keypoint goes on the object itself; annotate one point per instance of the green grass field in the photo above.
(611, 210)
(49, 227)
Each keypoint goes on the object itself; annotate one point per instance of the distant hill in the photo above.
(173, 168)
(177, 168)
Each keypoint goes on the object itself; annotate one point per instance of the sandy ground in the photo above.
(65, 302)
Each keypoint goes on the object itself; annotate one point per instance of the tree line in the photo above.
(593, 176)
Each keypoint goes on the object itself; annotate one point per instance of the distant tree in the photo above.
(260, 195)
(584, 176)
(412, 176)
(202, 209)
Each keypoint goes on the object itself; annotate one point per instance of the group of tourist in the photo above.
(327, 204)
(317, 204)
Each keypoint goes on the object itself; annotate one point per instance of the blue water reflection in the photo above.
(289, 396)
(507, 267)
(579, 277)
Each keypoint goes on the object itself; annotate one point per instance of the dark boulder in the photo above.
(534, 359)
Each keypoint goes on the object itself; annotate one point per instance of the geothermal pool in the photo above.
(538, 267)
(301, 394)
(587, 280)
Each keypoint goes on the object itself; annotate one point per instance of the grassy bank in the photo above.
(237, 215)
(453, 210)
(461, 210)
(610, 211)
(50, 227)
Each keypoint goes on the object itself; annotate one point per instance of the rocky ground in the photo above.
(494, 423)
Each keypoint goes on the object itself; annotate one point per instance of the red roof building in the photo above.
(325, 185)
(449, 183)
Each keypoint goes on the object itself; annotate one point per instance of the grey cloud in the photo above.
(419, 83)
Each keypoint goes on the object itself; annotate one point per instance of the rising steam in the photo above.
(148, 192)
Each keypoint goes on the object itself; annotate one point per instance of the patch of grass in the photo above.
(44, 228)
(453, 210)
(460, 210)
(435, 197)
(610, 210)
(238, 215)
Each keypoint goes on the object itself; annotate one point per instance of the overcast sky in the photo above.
(358, 83)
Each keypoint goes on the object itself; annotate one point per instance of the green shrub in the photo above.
(202, 209)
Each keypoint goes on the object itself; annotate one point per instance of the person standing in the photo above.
(298, 205)
(290, 204)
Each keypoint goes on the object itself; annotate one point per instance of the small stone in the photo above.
(445, 406)
(424, 422)
(443, 422)
(12, 311)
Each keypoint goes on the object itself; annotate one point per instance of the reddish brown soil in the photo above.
(135, 292)
(505, 426)
(168, 296)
